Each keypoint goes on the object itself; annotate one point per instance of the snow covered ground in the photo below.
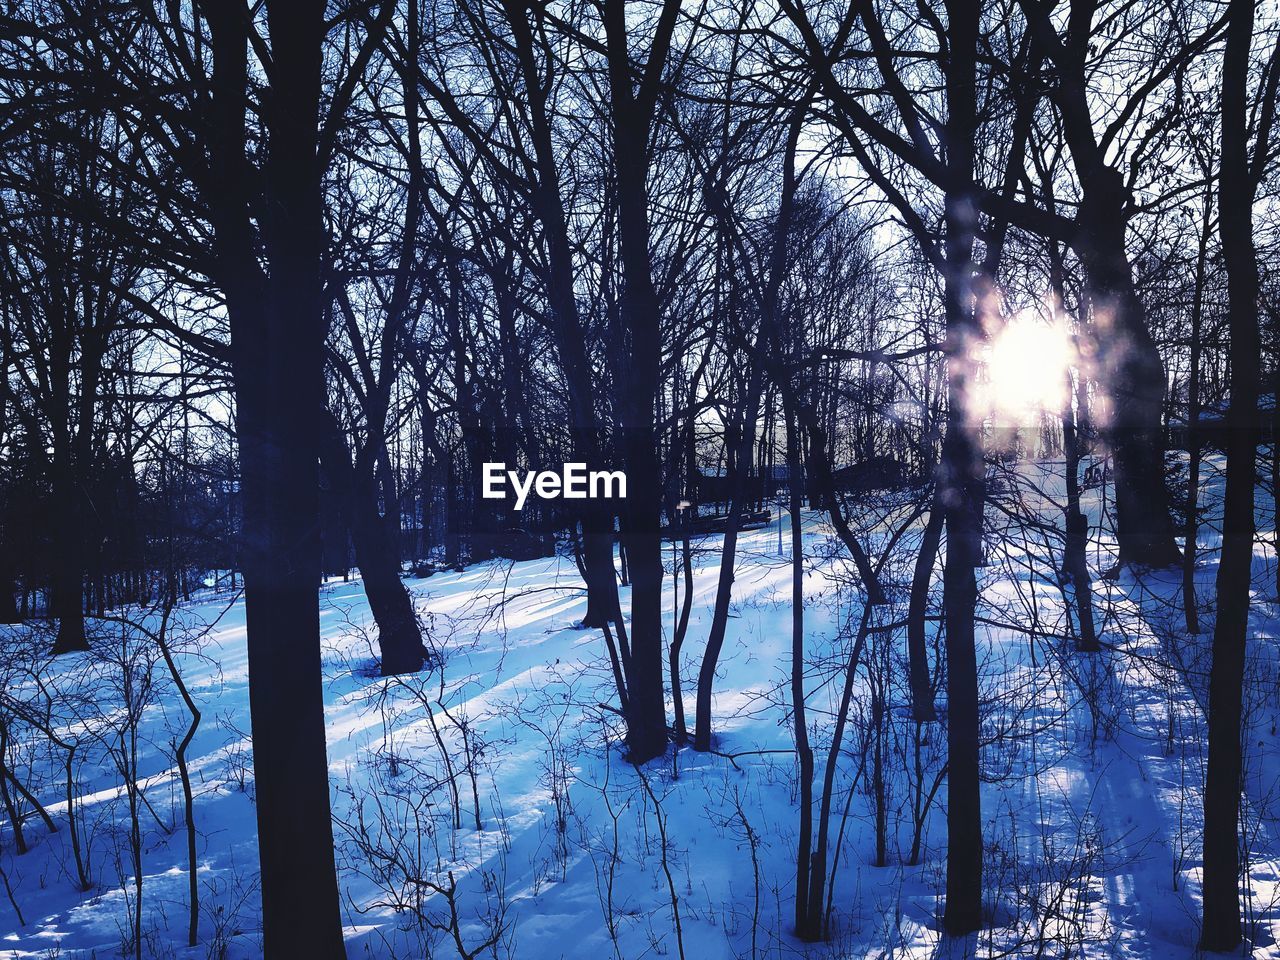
(493, 787)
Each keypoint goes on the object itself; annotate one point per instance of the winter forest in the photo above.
(535, 479)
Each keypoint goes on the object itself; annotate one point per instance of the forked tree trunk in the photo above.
(631, 115)
(277, 338)
(1130, 370)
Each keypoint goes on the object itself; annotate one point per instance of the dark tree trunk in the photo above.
(66, 588)
(1190, 611)
(961, 482)
(808, 925)
(598, 571)
(376, 541)
(399, 638)
(8, 590)
(631, 117)
(739, 469)
(567, 329)
(277, 336)
(679, 727)
(681, 514)
(1075, 565)
(1132, 374)
(823, 490)
(1075, 553)
(1221, 929)
(922, 706)
(739, 448)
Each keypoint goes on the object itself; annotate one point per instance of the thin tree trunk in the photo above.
(1221, 928)
(739, 469)
(1075, 553)
(1075, 563)
(548, 204)
(679, 726)
(807, 926)
(961, 484)
(184, 772)
(922, 706)
(1190, 611)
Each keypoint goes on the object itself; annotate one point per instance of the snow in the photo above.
(1093, 767)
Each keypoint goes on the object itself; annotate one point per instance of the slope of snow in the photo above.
(499, 774)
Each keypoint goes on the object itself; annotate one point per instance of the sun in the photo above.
(1027, 364)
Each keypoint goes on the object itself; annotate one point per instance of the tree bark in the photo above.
(922, 705)
(1221, 928)
(1075, 565)
(277, 336)
(631, 115)
(808, 927)
(567, 329)
(739, 469)
(375, 538)
(1131, 372)
(961, 482)
(1190, 611)
(1075, 552)
(66, 588)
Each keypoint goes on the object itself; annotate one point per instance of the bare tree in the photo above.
(1239, 175)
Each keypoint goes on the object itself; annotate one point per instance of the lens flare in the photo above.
(1026, 369)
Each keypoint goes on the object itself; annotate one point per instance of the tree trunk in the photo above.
(1075, 565)
(8, 590)
(679, 727)
(689, 443)
(375, 538)
(739, 468)
(1075, 552)
(638, 391)
(922, 706)
(597, 520)
(1131, 372)
(1190, 611)
(66, 588)
(1221, 929)
(962, 481)
(808, 927)
(277, 337)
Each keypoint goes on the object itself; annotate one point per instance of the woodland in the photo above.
(937, 615)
